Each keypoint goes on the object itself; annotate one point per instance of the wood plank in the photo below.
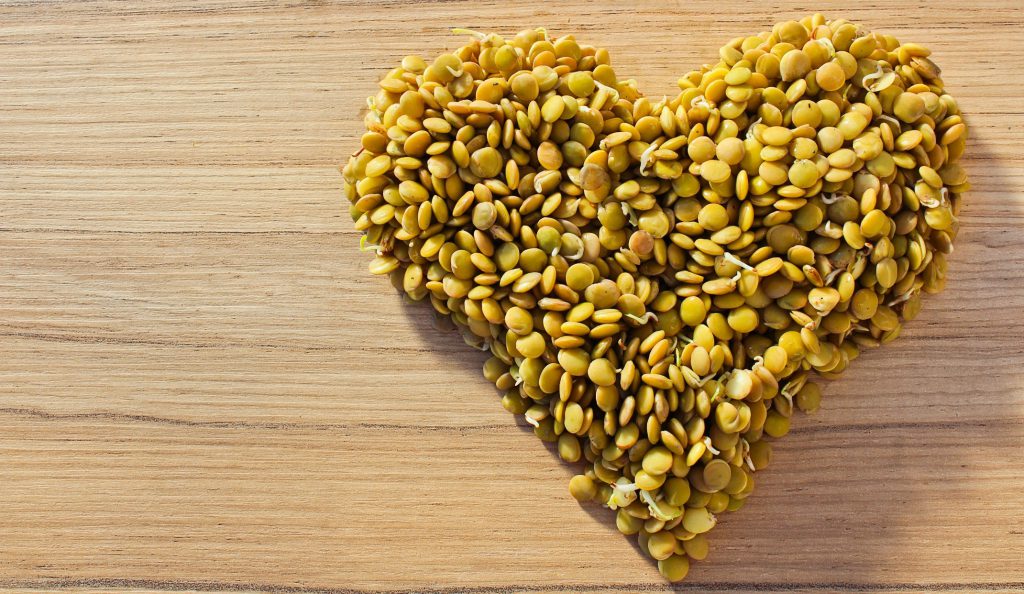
(294, 502)
(201, 388)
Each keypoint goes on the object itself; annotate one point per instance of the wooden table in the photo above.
(202, 388)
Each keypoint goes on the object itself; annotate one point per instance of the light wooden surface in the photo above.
(201, 388)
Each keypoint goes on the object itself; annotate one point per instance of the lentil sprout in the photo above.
(656, 280)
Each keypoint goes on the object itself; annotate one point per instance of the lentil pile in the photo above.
(657, 280)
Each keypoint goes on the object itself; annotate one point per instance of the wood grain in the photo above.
(201, 388)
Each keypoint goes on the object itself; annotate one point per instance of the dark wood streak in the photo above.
(170, 421)
(121, 340)
(284, 426)
(722, 586)
(190, 233)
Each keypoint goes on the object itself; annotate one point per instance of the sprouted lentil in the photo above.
(647, 274)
